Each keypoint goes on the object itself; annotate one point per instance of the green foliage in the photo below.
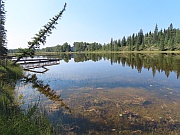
(123, 42)
(13, 120)
(84, 46)
(155, 35)
(167, 39)
(40, 38)
(129, 43)
(177, 39)
(9, 72)
(16, 122)
(162, 40)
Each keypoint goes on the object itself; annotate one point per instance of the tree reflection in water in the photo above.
(167, 62)
(122, 110)
(45, 90)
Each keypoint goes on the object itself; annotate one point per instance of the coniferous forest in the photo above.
(89, 97)
(158, 40)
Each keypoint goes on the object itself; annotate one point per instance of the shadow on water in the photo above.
(44, 89)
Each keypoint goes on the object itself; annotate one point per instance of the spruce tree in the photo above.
(129, 44)
(146, 37)
(3, 47)
(155, 36)
(111, 48)
(150, 39)
(133, 42)
(172, 37)
(177, 38)
(40, 38)
(161, 40)
(123, 43)
(140, 39)
(119, 43)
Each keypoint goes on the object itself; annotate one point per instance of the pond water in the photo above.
(110, 93)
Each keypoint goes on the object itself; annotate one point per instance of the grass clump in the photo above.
(9, 75)
(13, 120)
(9, 71)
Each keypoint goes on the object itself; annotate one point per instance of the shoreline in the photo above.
(101, 52)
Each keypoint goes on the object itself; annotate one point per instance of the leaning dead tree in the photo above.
(40, 38)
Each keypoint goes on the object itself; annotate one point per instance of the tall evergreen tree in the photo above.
(129, 44)
(111, 48)
(115, 45)
(133, 41)
(123, 42)
(170, 27)
(119, 43)
(161, 40)
(140, 39)
(177, 38)
(150, 39)
(3, 47)
(166, 36)
(155, 36)
(172, 37)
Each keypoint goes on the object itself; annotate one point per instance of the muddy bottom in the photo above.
(120, 111)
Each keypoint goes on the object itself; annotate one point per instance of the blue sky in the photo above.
(87, 20)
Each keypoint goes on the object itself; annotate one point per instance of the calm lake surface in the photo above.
(110, 93)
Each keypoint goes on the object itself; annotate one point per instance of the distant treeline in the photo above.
(163, 40)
